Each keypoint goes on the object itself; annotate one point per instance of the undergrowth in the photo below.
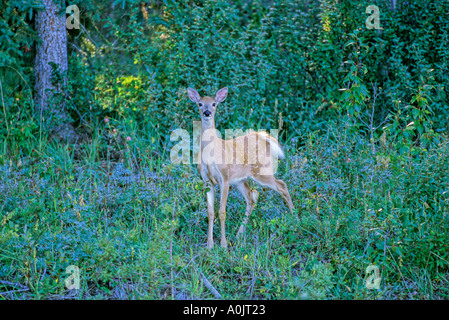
(136, 225)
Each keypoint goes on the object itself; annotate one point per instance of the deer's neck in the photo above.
(209, 137)
(207, 124)
(208, 129)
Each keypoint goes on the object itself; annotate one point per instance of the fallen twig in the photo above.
(210, 287)
(12, 291)
(13, 284)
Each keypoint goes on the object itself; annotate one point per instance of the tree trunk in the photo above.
(52, 32)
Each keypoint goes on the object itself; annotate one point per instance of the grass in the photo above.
(136, 225)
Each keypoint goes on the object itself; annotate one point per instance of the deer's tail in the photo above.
(275, 147)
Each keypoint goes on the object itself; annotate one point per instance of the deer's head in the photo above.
(207, 105)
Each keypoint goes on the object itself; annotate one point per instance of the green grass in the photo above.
(136, 225)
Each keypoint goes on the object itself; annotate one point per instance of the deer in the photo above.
(232, 162)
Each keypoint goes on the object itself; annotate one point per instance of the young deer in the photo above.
(232, 162)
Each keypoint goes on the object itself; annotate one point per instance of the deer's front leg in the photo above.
(210, 195)
(222, 212)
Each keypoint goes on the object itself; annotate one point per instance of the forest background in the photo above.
(86, 179)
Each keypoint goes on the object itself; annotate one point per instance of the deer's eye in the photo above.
(200, 104)
(214, 104)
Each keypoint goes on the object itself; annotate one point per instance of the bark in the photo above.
(52, 32)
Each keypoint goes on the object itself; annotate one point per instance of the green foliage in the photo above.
(364, 124)
(16, 33)
(412, 124)
(316, 282)
(355, 96)
(284, 63)
(139, 230)
(18, 124)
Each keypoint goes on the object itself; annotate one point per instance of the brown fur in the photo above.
(232, 162)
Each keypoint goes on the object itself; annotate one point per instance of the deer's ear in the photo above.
(193, 95)
(221, 94)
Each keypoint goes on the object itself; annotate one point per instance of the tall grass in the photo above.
(136, 226)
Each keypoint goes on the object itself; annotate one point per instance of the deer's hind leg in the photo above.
(277, 185)
(222, 212)
(251, 199)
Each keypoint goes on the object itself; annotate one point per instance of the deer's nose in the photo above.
(207, 113)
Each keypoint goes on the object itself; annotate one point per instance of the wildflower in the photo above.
(128, 138)
(106, 120)
(114, 131)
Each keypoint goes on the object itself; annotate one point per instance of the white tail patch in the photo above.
(276, 149)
